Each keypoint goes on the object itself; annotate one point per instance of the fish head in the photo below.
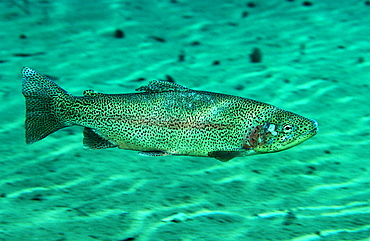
(280, 131)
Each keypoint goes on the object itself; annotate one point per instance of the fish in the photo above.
(163, 118)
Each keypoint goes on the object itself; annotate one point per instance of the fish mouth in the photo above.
(312, 132)
(301, 138)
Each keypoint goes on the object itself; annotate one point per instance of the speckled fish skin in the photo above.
(163, 118)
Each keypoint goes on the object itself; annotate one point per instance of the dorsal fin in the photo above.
(92, 93)
(162, 86)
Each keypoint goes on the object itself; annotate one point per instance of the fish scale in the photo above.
(163, 118)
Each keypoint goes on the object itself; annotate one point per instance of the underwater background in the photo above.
(309, 57)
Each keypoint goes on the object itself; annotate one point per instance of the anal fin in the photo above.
(93, 140)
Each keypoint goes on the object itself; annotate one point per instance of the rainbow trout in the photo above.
(163, 118)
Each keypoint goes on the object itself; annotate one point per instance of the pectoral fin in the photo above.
(225, 156)
(153, 153)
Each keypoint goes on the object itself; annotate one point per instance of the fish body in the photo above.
(163, 118)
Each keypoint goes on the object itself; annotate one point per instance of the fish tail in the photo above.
(44, 104)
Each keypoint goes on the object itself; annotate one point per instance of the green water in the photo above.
(313, 60)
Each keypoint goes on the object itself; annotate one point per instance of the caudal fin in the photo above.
(42, 99)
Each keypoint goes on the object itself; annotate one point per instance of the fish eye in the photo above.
(287, 127)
